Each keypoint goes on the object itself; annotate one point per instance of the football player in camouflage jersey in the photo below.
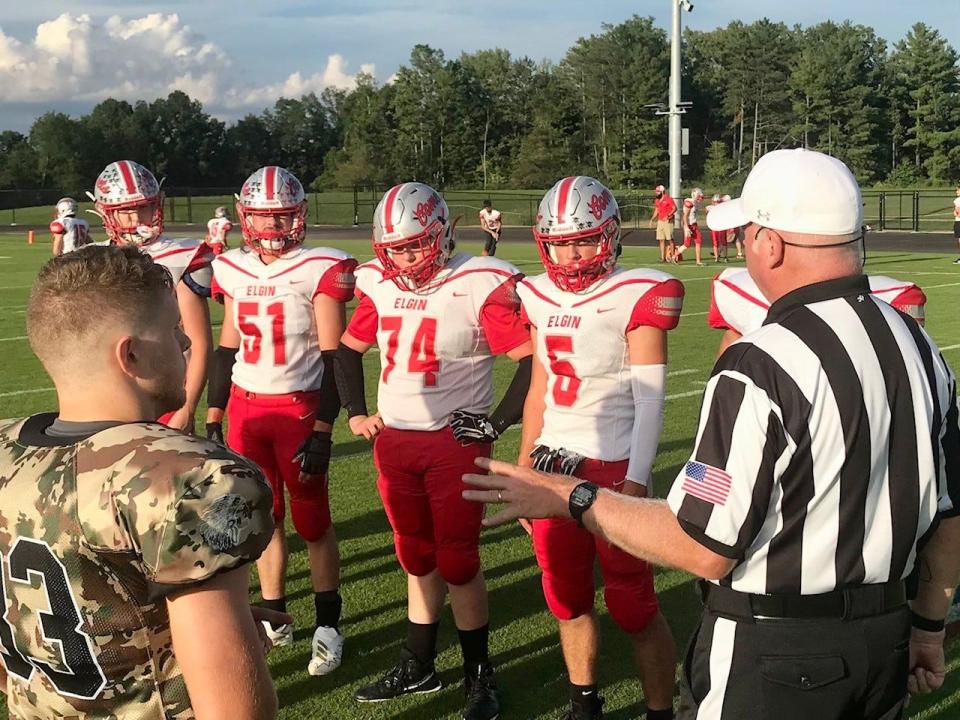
(125, 544)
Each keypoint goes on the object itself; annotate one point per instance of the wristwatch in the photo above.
(581, 499)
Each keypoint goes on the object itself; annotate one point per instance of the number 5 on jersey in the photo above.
(423, 354)
(567, 384)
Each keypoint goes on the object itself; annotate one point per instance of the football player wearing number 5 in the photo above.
(439, 319)
(595, 409)
(283, 317)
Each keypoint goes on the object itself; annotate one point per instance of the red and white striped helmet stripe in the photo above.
(126, 172)
(563, 197)
(270, 181)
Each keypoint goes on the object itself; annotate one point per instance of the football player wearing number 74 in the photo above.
(283, 317)
(439, 318)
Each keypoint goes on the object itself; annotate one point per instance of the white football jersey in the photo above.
(582, 344)
(181, 256)
(217, 230)
(492, 218)
(75, 231)
(736, 302)
(692, 208)
(437, 345)
(273, 311)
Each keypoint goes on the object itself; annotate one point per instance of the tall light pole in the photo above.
(676, 108)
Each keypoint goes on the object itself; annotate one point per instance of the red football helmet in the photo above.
(413, 214)
(269, 191)
(127, 185)
(576, 209)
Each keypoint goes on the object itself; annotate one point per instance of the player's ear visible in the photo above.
(128, 356)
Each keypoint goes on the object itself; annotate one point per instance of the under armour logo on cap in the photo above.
(761, 215)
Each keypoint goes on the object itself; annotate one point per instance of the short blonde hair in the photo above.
(79, 295)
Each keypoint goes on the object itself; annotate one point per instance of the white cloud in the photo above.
(76, 58)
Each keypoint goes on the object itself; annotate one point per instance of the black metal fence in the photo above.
(927, 210)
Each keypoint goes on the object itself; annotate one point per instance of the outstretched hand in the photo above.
(527, 493)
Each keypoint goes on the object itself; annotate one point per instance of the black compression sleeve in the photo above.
(348, 370)
(221, 370)
(329, 406)
(510, 408)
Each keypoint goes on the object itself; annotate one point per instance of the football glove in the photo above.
(471, 427)
(314, 454)
(561, 460)
(215, 433)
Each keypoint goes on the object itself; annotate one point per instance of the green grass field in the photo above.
(523, 642)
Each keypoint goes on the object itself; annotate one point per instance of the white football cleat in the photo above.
(281, 637)
(327, 647)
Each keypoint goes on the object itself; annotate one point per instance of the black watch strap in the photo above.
(581, 499)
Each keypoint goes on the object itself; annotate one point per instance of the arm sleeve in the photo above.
(510, 409)
(500, 318)
(722, 493)
(365, 320)
(648, 384)
(329, 406)
(348, 373)
(221, 519)
(658, 307)
(338, 281)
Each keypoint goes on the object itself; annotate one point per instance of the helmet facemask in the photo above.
(430, 242)
(121, 232)
(579, 275)
(273, 242)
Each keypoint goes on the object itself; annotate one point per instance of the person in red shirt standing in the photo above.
(664, 210)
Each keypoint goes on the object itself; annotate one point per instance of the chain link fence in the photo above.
(928, 210)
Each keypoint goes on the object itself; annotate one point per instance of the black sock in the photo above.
(584, 698)
(328, 605)
(475, 646)
(422, 640)
(279, 605)
(666, 714)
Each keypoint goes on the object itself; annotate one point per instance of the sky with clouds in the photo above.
(240, 56)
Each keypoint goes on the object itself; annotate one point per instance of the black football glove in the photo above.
(563, 461)
(215, 433)
(471, 427)
(314, 453)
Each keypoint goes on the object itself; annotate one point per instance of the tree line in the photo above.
(491, 120)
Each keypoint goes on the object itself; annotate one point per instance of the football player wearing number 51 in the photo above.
(283, 317)
(595, 409)
(438, 318)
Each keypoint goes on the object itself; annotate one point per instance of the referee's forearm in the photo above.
(939, 571)
(649, 530)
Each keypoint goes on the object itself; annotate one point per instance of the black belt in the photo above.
(848, 604)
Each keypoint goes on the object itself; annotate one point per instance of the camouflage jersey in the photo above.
(94, 534)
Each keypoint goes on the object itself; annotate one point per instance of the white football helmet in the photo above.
(696, 194)
(220, 212)
(268, 192)
(413, 213)
(717, 198)
(127, 185)
(575, 209)
(66, 207)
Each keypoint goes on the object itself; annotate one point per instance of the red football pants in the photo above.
(269, 429)
(420, 479)
(566, 552)
(695, 236)
(719, 239)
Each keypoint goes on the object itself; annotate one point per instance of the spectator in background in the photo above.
(491, 222)
(664, 212)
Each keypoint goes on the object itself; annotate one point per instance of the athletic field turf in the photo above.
(524, 641)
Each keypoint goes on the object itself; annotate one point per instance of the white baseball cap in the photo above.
(800, 191)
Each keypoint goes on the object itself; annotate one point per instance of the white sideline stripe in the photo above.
(17, 337)
(705, 312)
(674, 373)
(26, 392)
(691, 393)
(949, 347)
(931, 287)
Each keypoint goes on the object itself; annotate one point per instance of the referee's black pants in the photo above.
(822, 669)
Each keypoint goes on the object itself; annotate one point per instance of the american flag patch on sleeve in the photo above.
(706, 482)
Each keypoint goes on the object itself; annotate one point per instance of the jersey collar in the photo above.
(818, 292)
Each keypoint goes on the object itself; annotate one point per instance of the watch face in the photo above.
(581, 495)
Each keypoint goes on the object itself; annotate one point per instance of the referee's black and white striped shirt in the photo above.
(828, 445)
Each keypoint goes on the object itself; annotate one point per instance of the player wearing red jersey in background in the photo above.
(595, 409)
(218, 227)
(283, 317)
(718, 237)
(691, 227)
(69, 232)
(128, 198)
(738, 307)
(439, 319)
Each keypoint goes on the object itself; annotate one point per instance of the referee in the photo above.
(824, 486)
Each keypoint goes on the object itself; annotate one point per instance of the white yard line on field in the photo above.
(705, 312)
(26, 392)
(931, 287)
(949, 347)
(16, 337)
(674, 373)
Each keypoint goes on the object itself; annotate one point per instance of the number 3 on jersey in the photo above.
(567, 384)
(423, 354)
